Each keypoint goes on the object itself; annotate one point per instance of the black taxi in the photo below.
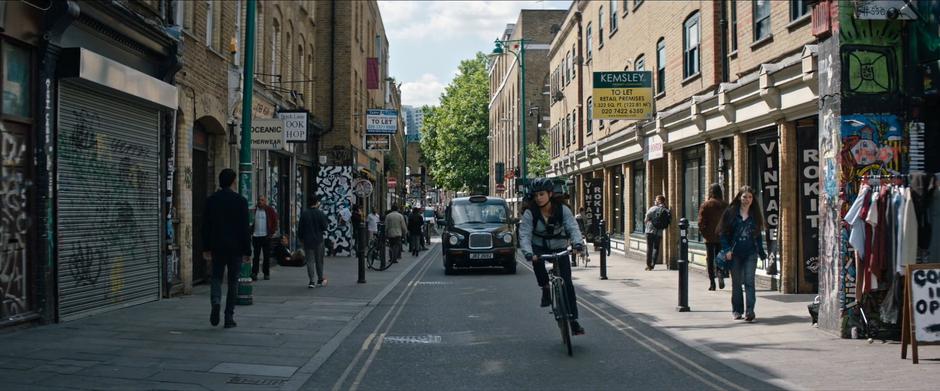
(477, 232)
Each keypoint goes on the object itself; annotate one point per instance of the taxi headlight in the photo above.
(453, 240)
(506, 237)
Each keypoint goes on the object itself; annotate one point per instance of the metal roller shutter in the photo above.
(108, 200)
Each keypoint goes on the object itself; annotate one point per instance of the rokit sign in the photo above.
(594, 200)
(295, 125)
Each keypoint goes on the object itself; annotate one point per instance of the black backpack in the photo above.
(662, 217)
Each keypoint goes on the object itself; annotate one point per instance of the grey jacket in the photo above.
(395, 226)
(526, 236)
(650, 230)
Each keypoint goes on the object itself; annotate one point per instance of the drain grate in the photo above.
(256, 381)
(413, 339)
(433, 283)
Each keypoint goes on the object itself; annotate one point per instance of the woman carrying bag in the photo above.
(742, 242)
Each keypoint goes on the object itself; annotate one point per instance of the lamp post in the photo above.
(498, 50)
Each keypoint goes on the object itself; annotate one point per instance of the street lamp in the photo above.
(499, 49)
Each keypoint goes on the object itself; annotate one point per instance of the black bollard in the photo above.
(683, 266)
(381, 245)
(361, 239)
(602, 247)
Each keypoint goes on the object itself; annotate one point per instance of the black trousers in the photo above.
(652, 249)
(415, 242)
(711, 251)
(394, 248)
(262, 246)
(220, 262)
(564, 270)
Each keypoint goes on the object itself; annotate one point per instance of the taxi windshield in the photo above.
(479, 213)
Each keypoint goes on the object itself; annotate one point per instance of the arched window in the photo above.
(640, 63)
(275, 51)
(600, 27)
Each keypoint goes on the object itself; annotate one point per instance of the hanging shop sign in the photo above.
(380, 121)
(593, 201)
(807, 140)
(362, 187)
(920, 323)
(654, 147)
(623, 95)
(770, 190)
(295, 126)
(378, 142)
(267, 134)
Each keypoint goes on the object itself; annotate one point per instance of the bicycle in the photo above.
(583, 258)
(559, 297)
(374, 256)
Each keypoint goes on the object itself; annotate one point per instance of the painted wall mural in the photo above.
(335, 192)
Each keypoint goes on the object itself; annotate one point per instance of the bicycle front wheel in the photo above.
(374, 260)
(562, 316)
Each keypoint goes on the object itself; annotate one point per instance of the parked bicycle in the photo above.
(374, 255)
(560, 297)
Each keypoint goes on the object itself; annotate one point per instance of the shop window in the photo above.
(639, 196)
(693, 188)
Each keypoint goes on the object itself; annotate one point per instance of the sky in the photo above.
(428, 39)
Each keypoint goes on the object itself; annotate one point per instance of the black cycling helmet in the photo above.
(541, 184)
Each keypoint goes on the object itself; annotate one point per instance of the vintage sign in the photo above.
(768, 171)
(295, 126)
(378, 142)
(807, 140)
(593, 202)
(267, 134)
(623, 95)
(380, 121)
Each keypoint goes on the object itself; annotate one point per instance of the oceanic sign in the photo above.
(267, 134)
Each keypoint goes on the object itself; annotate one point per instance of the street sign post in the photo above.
(362, 188)
(392, 182)
(623, 95)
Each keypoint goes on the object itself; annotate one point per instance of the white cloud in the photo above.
(447, 20)
(424, 91)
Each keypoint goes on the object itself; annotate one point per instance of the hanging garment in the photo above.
(907, 235)
(857, 222)
(866, 281)
(898, 216)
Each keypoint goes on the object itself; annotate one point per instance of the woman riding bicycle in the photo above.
(547, 226)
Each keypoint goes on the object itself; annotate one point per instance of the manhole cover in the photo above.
(413, 339)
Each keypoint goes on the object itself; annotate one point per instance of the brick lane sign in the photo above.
(623, 95)
(380, 121)
(295, 126)
(267, 134)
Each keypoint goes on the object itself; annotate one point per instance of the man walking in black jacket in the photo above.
(226, 238)
(310, 229)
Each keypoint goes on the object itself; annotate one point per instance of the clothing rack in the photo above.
(899, 179)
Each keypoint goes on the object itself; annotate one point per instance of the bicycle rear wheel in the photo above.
(562, 316)
(373, 258)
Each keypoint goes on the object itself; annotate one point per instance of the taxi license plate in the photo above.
(481, 255)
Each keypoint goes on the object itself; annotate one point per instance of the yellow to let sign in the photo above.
(623, 95)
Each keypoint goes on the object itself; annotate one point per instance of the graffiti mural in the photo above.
(335, 192)
(871, 59)
(872, 144)
(14, 223)
(298, 205)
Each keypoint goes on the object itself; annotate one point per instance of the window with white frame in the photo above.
(210, 26)
(640, 63)
(613, 15)
(661, 66)
(761, 12)
(691, 46)
(588, 42)
(798, 8)
(600, 27)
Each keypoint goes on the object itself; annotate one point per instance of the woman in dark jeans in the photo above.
(741, 231)
(709, 214)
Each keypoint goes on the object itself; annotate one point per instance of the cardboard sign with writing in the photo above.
(921, 318)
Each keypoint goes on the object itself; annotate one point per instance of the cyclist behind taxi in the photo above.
(551, 232)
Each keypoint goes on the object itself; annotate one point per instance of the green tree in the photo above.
(454, 140)
(538, 158)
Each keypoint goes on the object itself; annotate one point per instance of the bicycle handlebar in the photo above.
(554, 256)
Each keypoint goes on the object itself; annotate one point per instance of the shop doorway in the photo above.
(203, 183)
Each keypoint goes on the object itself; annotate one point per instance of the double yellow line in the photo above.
(373, 343)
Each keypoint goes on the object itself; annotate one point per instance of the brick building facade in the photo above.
(734, 87)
